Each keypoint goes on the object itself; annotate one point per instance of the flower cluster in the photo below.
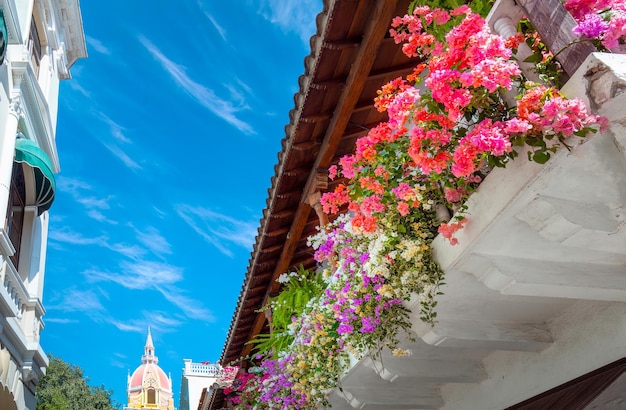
(447, 121)
(604, 20)
(371, 274)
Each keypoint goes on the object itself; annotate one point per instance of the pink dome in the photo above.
(149, 374)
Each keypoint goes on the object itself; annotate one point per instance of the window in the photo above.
(15, 218)
(34, 46)
(151, 396)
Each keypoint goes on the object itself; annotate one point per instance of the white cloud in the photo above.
(218, 229)
(81, 192)
(130, 251)
(191, 307)
(205, 96)
(93, 202)
(139, 275)
(158, 321)
(162, 277)
(71, 185)
(66, 236)
(132, 326)
(74, 85)
(153, 240)
(116, 129)
(219, 28)
(293, 16)
(74, 300)
(97, 45)
(100, 217)
(122, 156)
(60, 320)
(74, 238)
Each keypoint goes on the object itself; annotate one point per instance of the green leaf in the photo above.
(533, 58)
(541, 157)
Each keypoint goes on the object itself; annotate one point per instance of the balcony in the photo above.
(536, 287)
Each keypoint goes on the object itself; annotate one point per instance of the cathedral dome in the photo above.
(149, 387)
(149, 374)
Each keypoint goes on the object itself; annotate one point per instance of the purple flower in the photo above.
(368, 325)
(344, 328)
(591, 26)
(364, 257)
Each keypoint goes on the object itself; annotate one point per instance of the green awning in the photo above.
(37, 162)
(4, 38)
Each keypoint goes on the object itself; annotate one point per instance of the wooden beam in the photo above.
(289, 194)
(282, 214)
(326, 84)
(272, 249)
(259, 322)
(277, 232)
(305, 146)
(311, 119)
(395, 70)
(340, 44)
(554, 24)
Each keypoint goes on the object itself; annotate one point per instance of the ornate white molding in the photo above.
(16, 108)
(5, 244)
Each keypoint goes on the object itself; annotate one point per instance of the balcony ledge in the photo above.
(536, 284)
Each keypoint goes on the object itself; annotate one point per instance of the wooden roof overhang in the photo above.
(352, 56)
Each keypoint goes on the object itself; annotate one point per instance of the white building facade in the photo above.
(40, 40)
(197, 379)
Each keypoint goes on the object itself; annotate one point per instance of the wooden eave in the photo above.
(351, 57)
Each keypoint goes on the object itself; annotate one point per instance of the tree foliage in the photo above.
(65, 387)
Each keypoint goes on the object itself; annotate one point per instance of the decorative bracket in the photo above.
(320, 183)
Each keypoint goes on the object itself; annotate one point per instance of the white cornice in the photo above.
(37, 119)
(73, 35)
(11, 19)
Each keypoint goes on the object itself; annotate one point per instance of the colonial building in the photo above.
(149, 387)
(534, 306)
(40, 40)
(197, 379)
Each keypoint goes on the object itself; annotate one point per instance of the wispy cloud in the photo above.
(100, 217)
(153, 240)
(147, 275)
(119, 139)
(81, 192)
(128, 326)
(159, 321)
(97, 45)
(75, 300)
(219, 28)
(139, 275)
(59, 320)
(74, 238)
(117, 131)
(223, 108)
(218, 229)
(122, 156)
(189, 306)
(67, 236)
(292, 16)
(130, 251)
(74, 85)
(89, 302)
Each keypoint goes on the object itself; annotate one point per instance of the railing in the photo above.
(212, 370)
(13, 290)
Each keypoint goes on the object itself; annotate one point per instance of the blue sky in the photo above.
(167, 136)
